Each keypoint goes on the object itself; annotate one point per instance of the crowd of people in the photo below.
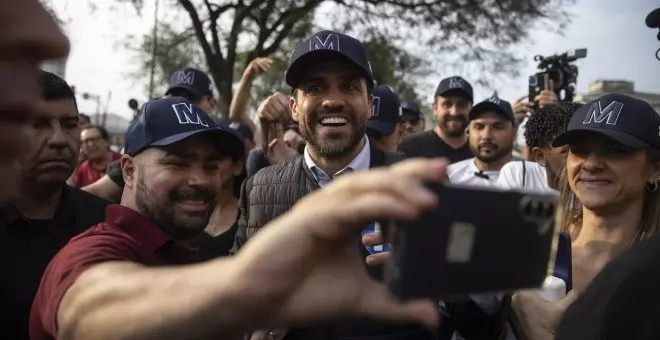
(271, 229)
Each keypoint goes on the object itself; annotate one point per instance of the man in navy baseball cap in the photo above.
(172, 166)
(385, 127)
(455, 85)
(170, 120)
(631, 122)
(493, 104)
(491, 134)
(331, 101)
(194, 85)
(412, 117)
(328, 46)
(451, 105)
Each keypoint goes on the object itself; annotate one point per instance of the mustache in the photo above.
(488, 144)
(454, 118)
(192, 194)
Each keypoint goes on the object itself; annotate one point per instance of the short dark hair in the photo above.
(179, 92)
(547, 123)
(104, 133)
(55, 88)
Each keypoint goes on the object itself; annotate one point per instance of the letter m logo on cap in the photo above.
(456, 82)
(331, 42)
(597, 114)
(186, 115)
(185, 78)
(375, 107)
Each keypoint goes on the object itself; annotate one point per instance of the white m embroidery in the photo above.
(331, 42)
(185, 78)
(609, 115)
(375, 107)
(184, 113)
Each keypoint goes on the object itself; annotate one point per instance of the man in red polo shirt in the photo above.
(119, 279)
(95, 141)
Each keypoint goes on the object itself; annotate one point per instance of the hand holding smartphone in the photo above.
(478, 240)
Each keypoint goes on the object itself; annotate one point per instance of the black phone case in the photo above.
(537, 84)
(476, 241)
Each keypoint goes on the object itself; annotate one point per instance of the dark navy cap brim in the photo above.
(229, 142)
(384, 128)
(618, 136)
(488, 107)
(410, 115)
(299, 66)
(190, 89)
(458, 91)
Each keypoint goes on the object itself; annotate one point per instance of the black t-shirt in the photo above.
(209, 247)
(428, 144)
(28, 245)
(623, 300)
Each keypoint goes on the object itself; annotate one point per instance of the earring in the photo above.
(652, 187)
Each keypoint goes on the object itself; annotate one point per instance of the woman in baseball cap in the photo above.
(609, 198)
(613, 162)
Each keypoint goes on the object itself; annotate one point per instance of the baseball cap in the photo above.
(627, 120)
(411, 110)
(455, 84)
(494, 104)
(166, 121)
(385, 110)
(242, 130)
(193, 80)
(327, 45)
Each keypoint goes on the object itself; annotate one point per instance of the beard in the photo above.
(337, 145)
(449, 129)
(494, 156)
(180, 226)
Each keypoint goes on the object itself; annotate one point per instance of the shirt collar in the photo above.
(359, 163)
(10, 213)
(140, 228)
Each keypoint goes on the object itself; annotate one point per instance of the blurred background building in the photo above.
(602, 86)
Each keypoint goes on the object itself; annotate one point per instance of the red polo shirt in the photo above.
(125, 235)
(87, 174)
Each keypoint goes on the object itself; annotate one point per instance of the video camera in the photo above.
(559, 69)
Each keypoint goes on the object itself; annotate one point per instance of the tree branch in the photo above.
(213, 25)
(288, 20)
(199, 32)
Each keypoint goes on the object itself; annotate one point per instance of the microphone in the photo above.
(653, 19)
(481, 174)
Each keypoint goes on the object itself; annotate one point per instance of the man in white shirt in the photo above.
(542, 174)
(491, 134)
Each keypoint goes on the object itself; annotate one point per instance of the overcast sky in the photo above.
(619, 44)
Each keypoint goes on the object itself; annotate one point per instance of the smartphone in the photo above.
(478, 240)
(563, 261)
(375, 249)
(537, 83)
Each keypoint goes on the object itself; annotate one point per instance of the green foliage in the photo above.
(395, 67)
(467, 34)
